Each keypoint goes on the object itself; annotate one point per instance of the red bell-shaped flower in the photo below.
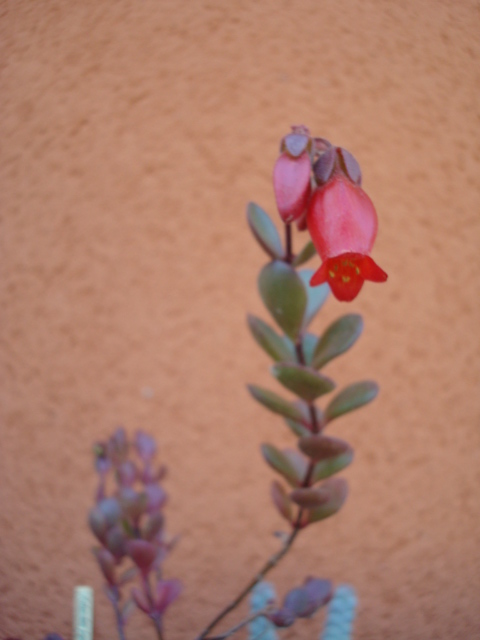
(342, 222)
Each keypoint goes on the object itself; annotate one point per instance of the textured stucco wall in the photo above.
(132, 135)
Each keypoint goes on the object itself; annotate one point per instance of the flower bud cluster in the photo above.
(129, 524)
(318, 186)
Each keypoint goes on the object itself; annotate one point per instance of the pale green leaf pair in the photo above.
(352, 397)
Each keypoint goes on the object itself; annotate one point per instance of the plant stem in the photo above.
(288, 244)
(269, 565)
(238, 626)
(158, 628)
(153, 616)
(118, 614)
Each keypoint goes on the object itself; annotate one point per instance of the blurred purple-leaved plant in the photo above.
(129, 524)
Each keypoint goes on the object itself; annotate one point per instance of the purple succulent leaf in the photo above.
(324, 166)
(110, 507)
(98, 523)
(319, 592)
(141, 600)
(297, 601)
(127, 473)
(145, 445)
(116, 542)
(295, 143)
(282, 618)
(156, 497)
(117, 446)
(143, 554)
(350, 165)
(153, 526)
(106, 562)
(133, 503)
(166, 592)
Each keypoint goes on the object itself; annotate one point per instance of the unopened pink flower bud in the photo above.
(291, 184)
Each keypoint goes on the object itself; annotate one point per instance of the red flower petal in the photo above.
(346, 274)
(371, 271)
(341, 219)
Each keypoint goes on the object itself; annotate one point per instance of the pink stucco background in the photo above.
(133, 133)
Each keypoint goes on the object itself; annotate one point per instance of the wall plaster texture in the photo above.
(132, 136)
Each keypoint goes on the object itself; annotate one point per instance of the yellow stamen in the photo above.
(331, 274)
(346, 278)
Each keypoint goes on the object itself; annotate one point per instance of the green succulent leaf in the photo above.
(337, 491)
(305, 254)
(338, 338)
(281, 500)
(284, 295)
(330, 466)
(298, 461)
(280, 463)
(264, 231)
(352, 397)
(316, 296)
(305, 382)
(318, 447)
(309, 498)
(279, 348)
(297, 428)
(276, 403)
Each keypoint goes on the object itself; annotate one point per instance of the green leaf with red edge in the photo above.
(284, 295)
(305, 382)
(275, 403)
(352, 397)
(280, 348)
(338, 338)
(305, 254)
(264, 231)
(318, 447)
(316, 296)
(309, 498)
(297, 428)
(298, 461)
(281, 464)
(337, 489)
(281, 500)
(330, 466)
